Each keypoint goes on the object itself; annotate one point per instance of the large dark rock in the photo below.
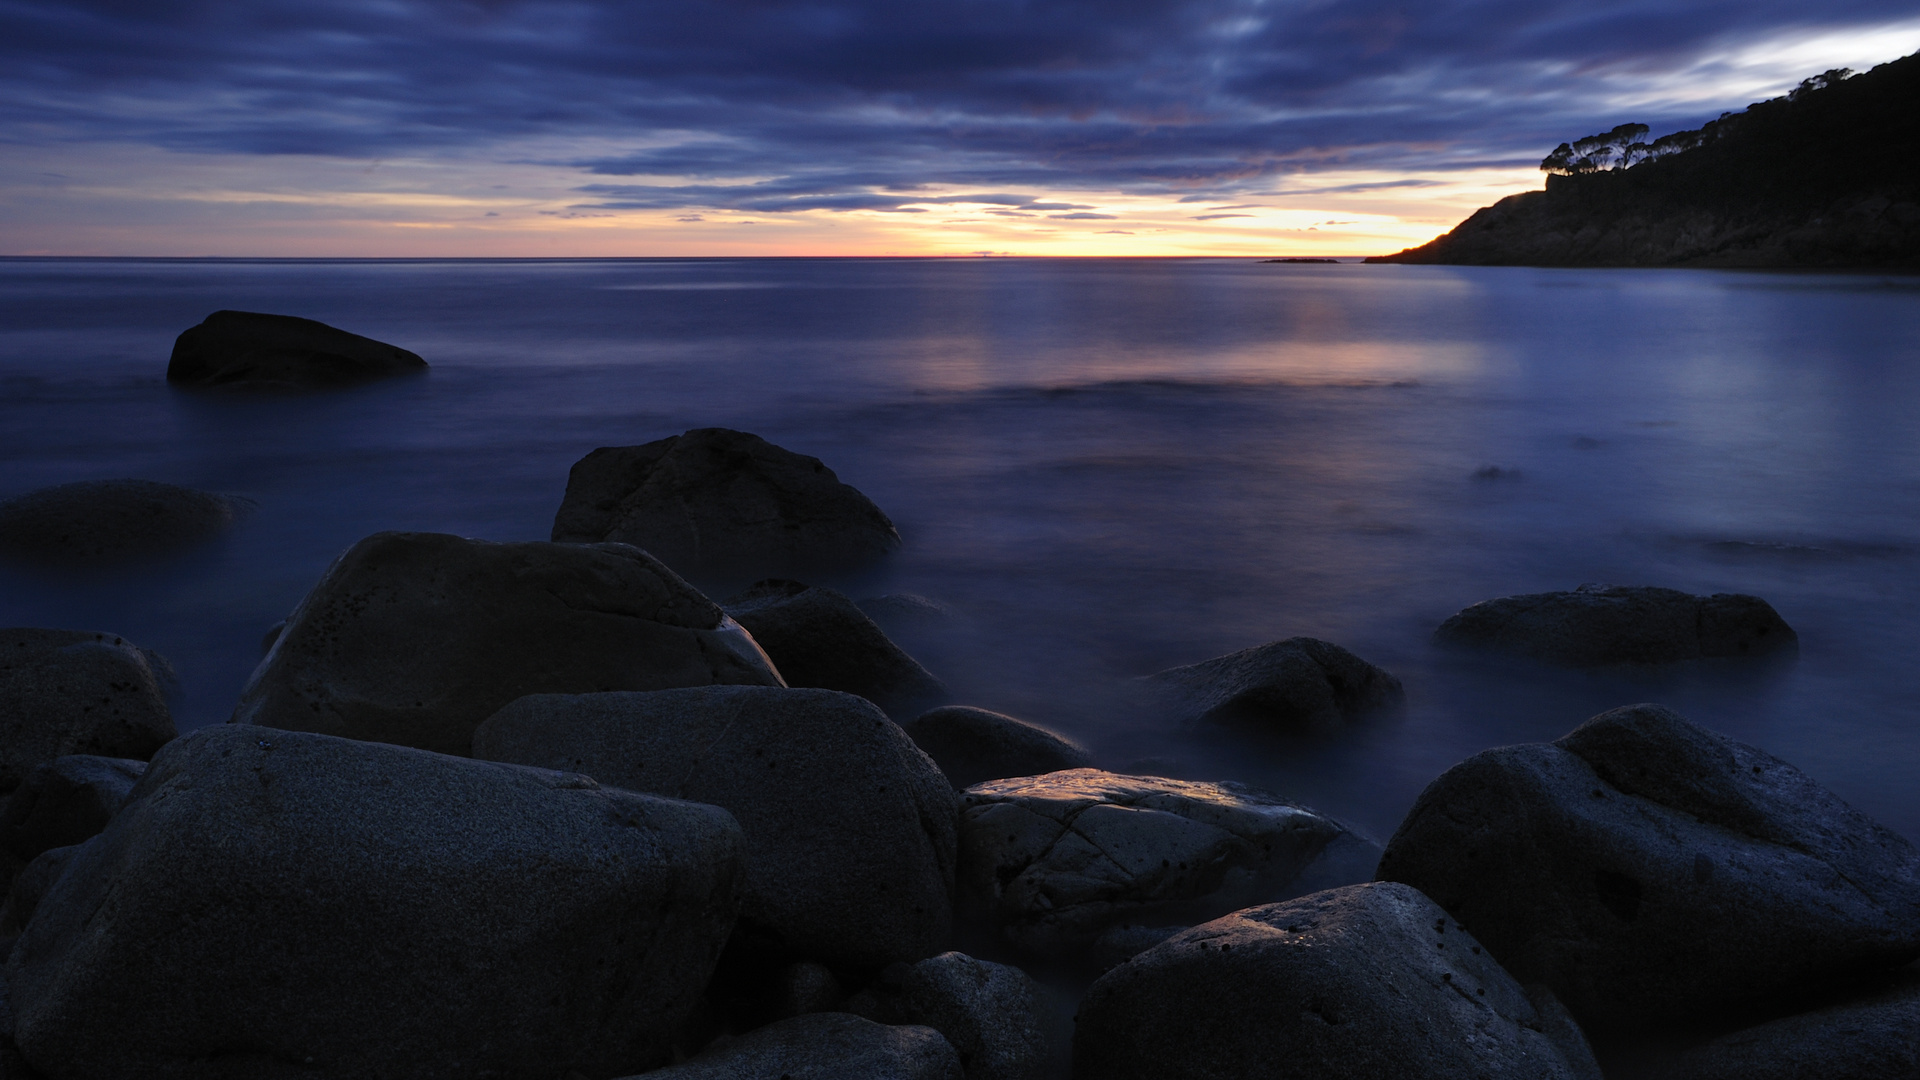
(1364, 981)
(415, 638)
(971, 745)
(97, 521)
(987, 1011)
(76, 692)
(823, 1046)
(246, 348)
(281, 904)
(1873, 1037)
(28, 886)
(716, 503)
(850, 828)
(65, 801)
(1301, 684)
(1621, 624)
(817, 637)
(1655, 873)
(1055, 860)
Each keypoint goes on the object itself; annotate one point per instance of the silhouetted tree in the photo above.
(1624, 144)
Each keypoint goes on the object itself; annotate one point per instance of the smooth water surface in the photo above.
(1106, 467)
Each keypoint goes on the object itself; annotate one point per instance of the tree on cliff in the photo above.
(1618, 148)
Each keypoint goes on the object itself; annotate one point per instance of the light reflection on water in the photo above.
(1107, 466)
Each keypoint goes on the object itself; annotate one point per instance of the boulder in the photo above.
(823, 1046)
(99, 521)
(1872, 1037)
(715, 503)
(818, 637)
(850, 828)
(28, 886)
(1055, 860)
(1595, 625)
(971, 745)
(1364, 981)
(1301, 684)
(415, 638)
(280, 904)
(906, 611)
(1658, 874)
(249, 349)
(987, 1011)
(65, 801)
(77, 692)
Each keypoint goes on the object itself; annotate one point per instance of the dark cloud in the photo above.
(783, 105)
(1217, 217)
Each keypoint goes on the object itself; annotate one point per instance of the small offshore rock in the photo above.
(1297, 685)
(905, 611)
(972, 745)
(1596, 625)
(823, 1046)
(1053, 861)
(819, 638)
(1657, 874)
(850, 828)
(987, 1011)
(720, 503)
(246, 348)
(268, 898)
(77, 692)
(1364, 981)
(66, 801)
(1873, 1037)
(104, 521)
(415, 638)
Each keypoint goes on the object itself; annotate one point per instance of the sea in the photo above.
(1101, 467)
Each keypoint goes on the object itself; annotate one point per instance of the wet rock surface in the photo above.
(1053, 861)
(275, 903)
(77, 692)
(1597, 625)
(717, 503)
(973, 745)
(1875, 1037)
(1657, 874)
(110, 521)
(850, 828)
(1365, 981)
(415, 638)
(987, 1011)
(65, 801)
(1298, 685)
(817, 637)
(251, 349)
(823, 1046)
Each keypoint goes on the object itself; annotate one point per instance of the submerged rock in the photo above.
(971, 745)
(1873, 1037)
(275, 903)
(1055, 860)
(247, 348)
(906, 611)
(720, 503)
(1300, 684)
(1364, 981)
(1657, 874)
(987, 1011)
(823, 1046)
(66, 801)
(817, 637)
(1621, 624)
(77, 692)
(415, 638)
(850, 828)
(96, 521)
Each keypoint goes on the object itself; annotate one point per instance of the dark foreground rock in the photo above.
(987, 1011)
(972, 745)
(77, 692)
(415, 638)
(817, 637)
(1364, 981)
(28, 886)
(280, 904)
(1657, 874)
(246, 348)
(1301, 684)
(824, 1046)
(1875, 1037)
(850, 828)
(97, 521)
(1055, 860)
(723, 504)
(65, 801)
(1621, 624)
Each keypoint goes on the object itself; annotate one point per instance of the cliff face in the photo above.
(1829, 178)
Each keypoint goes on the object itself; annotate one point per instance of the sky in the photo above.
(433, 128)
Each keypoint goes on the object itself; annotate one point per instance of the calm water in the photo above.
(1106, 467)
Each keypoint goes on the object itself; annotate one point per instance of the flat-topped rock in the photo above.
(77, 692)
(1596, 625)
(1298, 685)
(973, 745)
(251, 349)
(817, 637)
(415, 638)
(717, 503)
(95, 521)
(1657, 874)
